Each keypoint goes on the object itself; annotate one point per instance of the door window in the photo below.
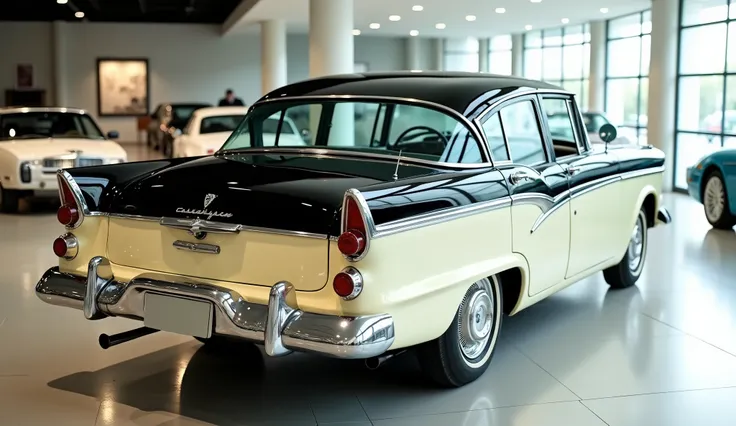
(522, 132)
(496, 141)
(561, 126)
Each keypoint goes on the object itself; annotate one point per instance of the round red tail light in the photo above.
(60, 247)
(348, 283)
(67, 215)
(351, 242)
(66, 246)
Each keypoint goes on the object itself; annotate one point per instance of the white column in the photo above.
(331, 52)
(59, 44)
(597, 78)
(483, 65)
(413, 54)
(273, 55)
(517, 55)
(439, 54)
(662, 82)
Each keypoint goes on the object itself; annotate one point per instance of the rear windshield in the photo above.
(220, 123)
(387, 128)
(29, 125)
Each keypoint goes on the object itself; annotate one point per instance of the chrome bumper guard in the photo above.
(663, 216)
(278, 325)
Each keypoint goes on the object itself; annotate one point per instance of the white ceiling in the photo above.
(519, 13)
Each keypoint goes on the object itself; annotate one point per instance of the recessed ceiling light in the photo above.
(440, 26)
(62, 1)
(470, 18)
(394, 18)
(604, 10)
(375, 26)
(536, 1)
(417, 8)
(413, 33)
(528, 27)
(500, 10)
(356, 32)
(79, 14)
(565, 20)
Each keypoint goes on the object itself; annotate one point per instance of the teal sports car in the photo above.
(712, 182)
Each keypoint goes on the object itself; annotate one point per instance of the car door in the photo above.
(594, 190)
(540, 212)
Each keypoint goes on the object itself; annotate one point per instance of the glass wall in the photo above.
(706, 82)
(560, 56)
(499, 55)
(462, 54)
(627, 74)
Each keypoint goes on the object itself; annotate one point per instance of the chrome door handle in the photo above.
(518, 177)
(572, 170)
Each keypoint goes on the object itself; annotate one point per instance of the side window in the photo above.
(523, 134)
(561, 126)
(496, 142)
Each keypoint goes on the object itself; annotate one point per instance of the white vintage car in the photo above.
(209, 128)
(416, 227)
(36, 142)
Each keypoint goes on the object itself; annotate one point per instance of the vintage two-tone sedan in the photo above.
(35, 142)
(447, 205)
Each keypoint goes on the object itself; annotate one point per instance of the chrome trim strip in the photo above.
(543, 201)
(594, 184)
(642, 172)
(195, 226)
(196, 247)
(132, 217)
(408, 101)
(433, 218)
(16, 110)
(289, 329)
(544, 216)
(95, 285)
(498, 101)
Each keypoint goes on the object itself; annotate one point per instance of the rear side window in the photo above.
(522, 132)
(496, 142)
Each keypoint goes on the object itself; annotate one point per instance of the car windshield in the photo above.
(593, 122)
(405, 129)
(27, 125)
(184, 112)
(220, 123)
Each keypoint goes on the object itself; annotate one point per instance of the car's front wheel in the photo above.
(715, 202)
(464, 351)
(627, 272)
(9, 200)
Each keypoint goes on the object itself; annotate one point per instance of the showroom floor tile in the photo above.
(662, 353)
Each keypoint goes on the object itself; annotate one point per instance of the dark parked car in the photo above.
(166, 119)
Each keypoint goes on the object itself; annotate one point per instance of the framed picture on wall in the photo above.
(24, 76)
(122, 87)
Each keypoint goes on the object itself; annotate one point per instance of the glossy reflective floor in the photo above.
(662, 353)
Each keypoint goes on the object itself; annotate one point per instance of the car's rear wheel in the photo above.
(627, 272)
(9, 200)
(464, 351)
(715, 202)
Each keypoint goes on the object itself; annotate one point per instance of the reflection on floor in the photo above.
(662, 353)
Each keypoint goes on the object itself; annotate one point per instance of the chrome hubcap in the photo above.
(476, 319)
(636, 245)
(714, 199)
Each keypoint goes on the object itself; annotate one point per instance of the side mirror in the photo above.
(607, 132)
(113, 134)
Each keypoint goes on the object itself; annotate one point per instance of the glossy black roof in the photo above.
(456, 90)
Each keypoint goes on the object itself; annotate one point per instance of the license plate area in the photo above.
(178, 315)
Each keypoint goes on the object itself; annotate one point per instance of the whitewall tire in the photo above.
(464, 351)
(715, 202)
(627, 272)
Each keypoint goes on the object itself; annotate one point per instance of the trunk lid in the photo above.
(286, 207)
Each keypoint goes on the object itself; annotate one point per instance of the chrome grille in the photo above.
(65, 163)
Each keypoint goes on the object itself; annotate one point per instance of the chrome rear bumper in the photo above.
(279, 326)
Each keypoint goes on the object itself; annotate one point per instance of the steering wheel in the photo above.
(424, 130)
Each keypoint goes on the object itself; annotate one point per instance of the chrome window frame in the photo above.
(471, 127)
(572, 112)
